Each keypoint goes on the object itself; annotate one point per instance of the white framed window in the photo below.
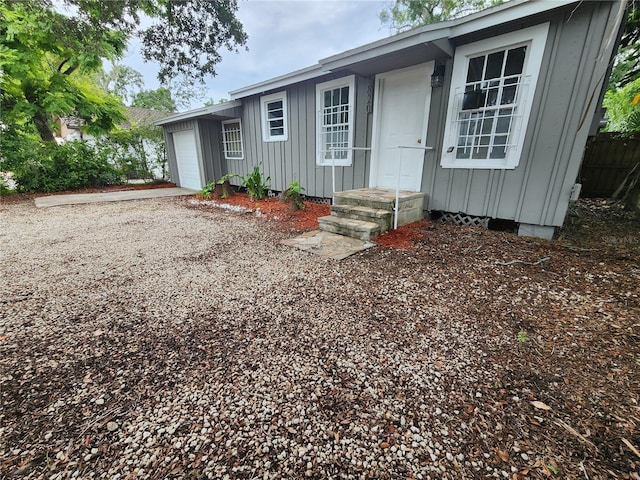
(273, 109)
(494, 81)
(232, 139)
(334, 102)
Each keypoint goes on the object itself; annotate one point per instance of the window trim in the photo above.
(348, 81)
(266, 130)
(535, 38)
(224, 139)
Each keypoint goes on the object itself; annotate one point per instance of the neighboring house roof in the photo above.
(143, 116)
(72, 122)
(135, 116)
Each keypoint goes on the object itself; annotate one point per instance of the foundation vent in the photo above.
(464, 220)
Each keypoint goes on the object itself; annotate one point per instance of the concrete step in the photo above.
(355, 198)
(384, 218)
(349, 227)
(410, 204)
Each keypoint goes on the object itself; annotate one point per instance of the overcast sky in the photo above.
(284, 35)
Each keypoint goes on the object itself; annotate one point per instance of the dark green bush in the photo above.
(49, 167)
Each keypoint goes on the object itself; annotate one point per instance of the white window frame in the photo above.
(266, 129)
(226, 141)
(535, 38)
(349, 81)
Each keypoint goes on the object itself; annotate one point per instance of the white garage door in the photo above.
(187, 159)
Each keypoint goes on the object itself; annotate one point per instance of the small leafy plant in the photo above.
(208, 189)
(221, 188)
(256, 184)
(293, 195)
(227, 177)
(522, 336)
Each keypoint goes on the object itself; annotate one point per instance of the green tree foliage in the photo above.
(158, 99)
(623, 108)
(627, 62)
(405, 14)
(622, 99)
(46, 60)
(49, 51)
(121, 80)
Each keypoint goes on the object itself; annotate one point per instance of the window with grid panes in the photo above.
(274, 117)
(490, 104)
(232, 139)
(335, 123)
(490, 100)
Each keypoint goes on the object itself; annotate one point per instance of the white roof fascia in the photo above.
(199, 112)
(388, 45)
(307, 73)
(490, 17)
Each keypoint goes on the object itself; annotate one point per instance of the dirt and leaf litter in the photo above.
(196, 346)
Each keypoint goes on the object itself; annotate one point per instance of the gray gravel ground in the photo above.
(150, 340)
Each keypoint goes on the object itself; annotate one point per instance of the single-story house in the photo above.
(485, 116)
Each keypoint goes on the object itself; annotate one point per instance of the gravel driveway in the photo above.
(153, 340)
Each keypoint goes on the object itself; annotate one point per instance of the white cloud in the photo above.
(284, 36)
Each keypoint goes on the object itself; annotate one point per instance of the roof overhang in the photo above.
(390, 56)
(213, 112)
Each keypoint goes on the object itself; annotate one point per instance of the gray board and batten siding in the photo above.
(537, 191)
(295, 158)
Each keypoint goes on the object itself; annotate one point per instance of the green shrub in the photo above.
(293, 194)
(49, 167)
(256, 184)
(208, 189)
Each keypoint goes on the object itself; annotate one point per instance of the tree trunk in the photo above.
(44, 129)
(40, 119)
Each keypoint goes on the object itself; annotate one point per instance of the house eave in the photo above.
(211, 112)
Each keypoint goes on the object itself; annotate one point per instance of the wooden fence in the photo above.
(608, 158)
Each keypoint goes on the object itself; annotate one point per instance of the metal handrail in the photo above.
(333, 164)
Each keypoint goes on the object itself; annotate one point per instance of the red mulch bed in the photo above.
(404, 237)
(20, 197)
(274, 209)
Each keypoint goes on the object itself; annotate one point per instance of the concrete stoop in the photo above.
(349, 227)
(368, 212)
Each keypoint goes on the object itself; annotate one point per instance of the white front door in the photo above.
(401, 111)
(184, 143)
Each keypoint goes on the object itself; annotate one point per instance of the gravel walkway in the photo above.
(153, 340)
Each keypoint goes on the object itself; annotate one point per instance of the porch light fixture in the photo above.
(437, 79)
